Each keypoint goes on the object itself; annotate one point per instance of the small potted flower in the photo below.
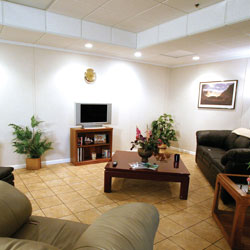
(248, 185)
(147, 144)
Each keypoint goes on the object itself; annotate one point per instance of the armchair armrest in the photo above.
(19, 244)
(131, 226)
(213, 138)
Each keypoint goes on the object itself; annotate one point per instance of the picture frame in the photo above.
(99, 138)
(218, 94)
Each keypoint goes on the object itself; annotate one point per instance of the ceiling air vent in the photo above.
(178, 54)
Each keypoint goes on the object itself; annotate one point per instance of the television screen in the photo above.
(89, 114)
(93, 113)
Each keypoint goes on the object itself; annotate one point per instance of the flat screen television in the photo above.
(93, 114)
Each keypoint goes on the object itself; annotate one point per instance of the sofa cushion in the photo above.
(59, 233)
(15, 209)
(211, 152)
(212, 155)
(213, 138)
(229, 142)
(217, 163)
(241, 142)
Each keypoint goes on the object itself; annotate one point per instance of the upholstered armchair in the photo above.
(131, 226)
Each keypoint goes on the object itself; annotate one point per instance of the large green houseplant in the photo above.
(162, 130)
(30, 142)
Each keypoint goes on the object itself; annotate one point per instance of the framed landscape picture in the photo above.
(218, 95)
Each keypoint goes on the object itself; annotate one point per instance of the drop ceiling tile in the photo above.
(118, 50)
(149, 18)
(76, 8)
(117, 11)
(220, 34)
(56, 41)
(102, 48)
(243, 27)
(40, 4)
(19, 35)
(163, 60)
(79, 45)
(135, 26)
(234, 43)
(105, 17)
(178, 53)
(188, 6)
(232, 53)
(160, 14)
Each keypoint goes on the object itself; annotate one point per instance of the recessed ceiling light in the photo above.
(196, 58)
(137, 54)
(89, 45)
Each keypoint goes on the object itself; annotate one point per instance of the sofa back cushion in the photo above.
(241, 142)
(212, 138)
(229, 142)
(15, 209)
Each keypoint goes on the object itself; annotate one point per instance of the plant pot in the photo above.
(33, 163)
(162, 148)
(144, 154)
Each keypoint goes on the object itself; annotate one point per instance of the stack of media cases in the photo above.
(80, 154)
(105, 153)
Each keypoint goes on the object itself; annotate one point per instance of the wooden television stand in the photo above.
(90, 145)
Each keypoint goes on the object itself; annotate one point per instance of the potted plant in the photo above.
(148, 144)
(162, 130)
(30, 142)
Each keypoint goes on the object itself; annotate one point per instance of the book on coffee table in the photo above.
(142, 165)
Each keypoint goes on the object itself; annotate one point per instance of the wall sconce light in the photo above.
(90, 76)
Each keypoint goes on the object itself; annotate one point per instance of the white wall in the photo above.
(183, 99)
(48, 83)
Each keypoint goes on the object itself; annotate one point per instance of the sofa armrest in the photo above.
(131, 226)
(19, 244)
(213, 138)
(236, 161)
(239, 155)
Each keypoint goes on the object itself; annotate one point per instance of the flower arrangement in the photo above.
(248, 185)
(147, 142)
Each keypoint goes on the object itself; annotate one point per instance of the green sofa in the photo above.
(131, 226)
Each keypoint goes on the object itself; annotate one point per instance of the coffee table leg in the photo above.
(184, 188)
(107, 182)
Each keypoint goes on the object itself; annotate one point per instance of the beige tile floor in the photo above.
(76, 193)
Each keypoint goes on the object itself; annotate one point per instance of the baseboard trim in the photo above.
(183, 150)
(51, 162)
(66, 160)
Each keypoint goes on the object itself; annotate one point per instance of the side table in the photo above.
(235, 225)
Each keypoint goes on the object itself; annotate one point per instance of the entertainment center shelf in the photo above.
(94, 145)
(90, 145)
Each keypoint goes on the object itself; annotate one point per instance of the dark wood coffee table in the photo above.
(165, 172)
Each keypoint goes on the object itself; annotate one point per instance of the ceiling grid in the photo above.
(136, 25)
